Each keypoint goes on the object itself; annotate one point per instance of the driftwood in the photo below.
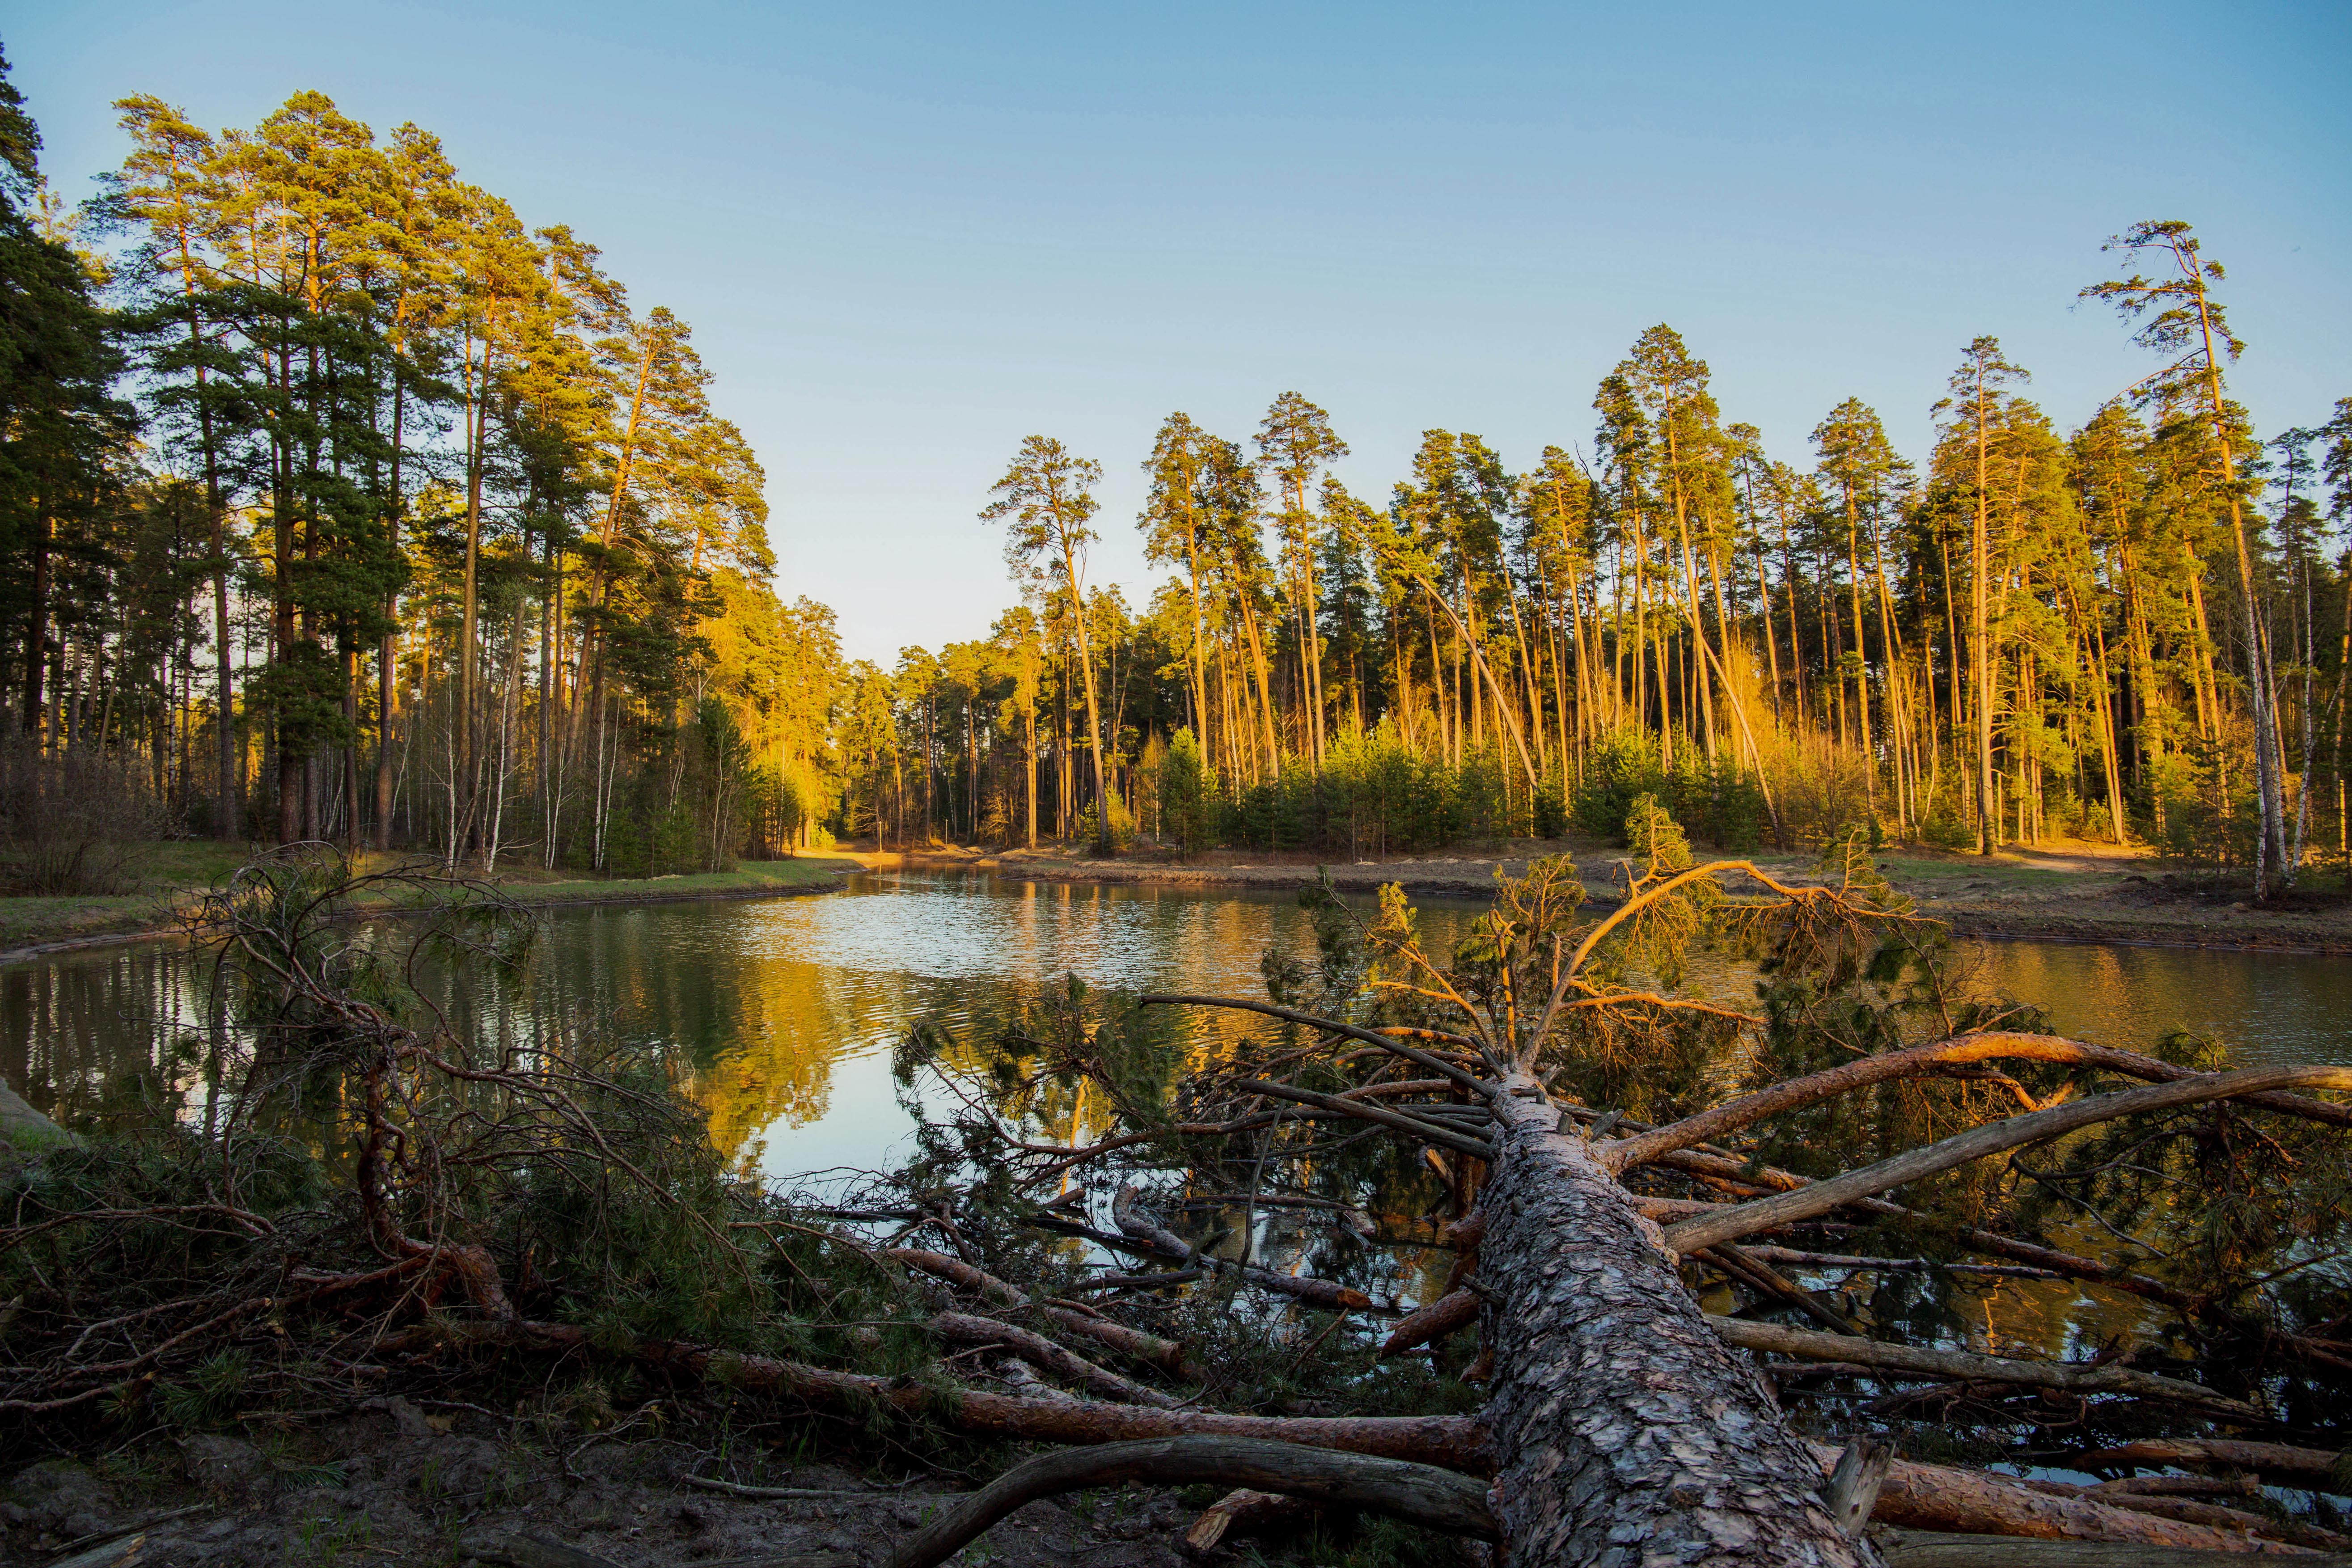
(1966, 1366)
(1420, 1494)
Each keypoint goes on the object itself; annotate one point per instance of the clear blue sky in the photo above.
(907, 236)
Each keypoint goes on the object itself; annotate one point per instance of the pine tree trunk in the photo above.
(1627, 1430)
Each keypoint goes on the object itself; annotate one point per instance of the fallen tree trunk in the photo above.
(1810, 1345)
(2315, 1468)
(1450, 1442)
(1935, 1548)
(1419, 1494)
(1931, 1496)
(1618, 1414)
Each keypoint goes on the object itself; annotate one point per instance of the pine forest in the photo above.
(340, 502)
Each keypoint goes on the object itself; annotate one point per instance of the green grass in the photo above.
(171, 870)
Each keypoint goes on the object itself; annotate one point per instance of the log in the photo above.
(1937, 1549)
(2197, 1512)
(1994, 1138)
(1451, 1442)
(2180, 1486)
(1969, 1502)
(1419, 1494)
(1441, 1317)
(1810, 1344)
(2315, 1468)
(1619, 1415)
(964, 1329)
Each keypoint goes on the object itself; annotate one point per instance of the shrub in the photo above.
(74, 822)
(1622, 767)
(1187, 796)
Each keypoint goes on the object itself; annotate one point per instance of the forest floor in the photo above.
(2066, 892)
(438, 1483)
(170, 875)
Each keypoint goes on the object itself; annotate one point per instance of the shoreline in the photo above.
(2111, 907)
(827, 875)
(2082, 917)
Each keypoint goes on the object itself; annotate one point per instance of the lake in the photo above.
(782, 1012)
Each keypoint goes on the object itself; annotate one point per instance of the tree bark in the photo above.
(1619, 1415)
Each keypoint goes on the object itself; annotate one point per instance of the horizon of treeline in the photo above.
(337, 504)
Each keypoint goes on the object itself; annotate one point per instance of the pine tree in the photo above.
(1046, 497)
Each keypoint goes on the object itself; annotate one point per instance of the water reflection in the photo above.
(782, 1015)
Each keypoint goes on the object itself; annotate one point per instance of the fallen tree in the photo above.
(1519, 1115)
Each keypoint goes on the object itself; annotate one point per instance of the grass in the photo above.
(171, 869)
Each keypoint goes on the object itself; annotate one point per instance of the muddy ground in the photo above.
(407, 1483)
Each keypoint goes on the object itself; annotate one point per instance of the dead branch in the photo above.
(1419, 1494)
(2302, 1466)
(1166, 1354)
(1457, 1309)
(1625, 1153)
(963, 1328)
(1427, 1132)
(1807, 1344)
(1765, 1214)
(1168, 1244)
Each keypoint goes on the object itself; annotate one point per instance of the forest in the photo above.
(344, 510)
(338, 503)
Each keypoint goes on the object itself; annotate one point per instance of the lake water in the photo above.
(784, 1012)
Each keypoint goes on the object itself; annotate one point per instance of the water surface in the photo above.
(782, 1014)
